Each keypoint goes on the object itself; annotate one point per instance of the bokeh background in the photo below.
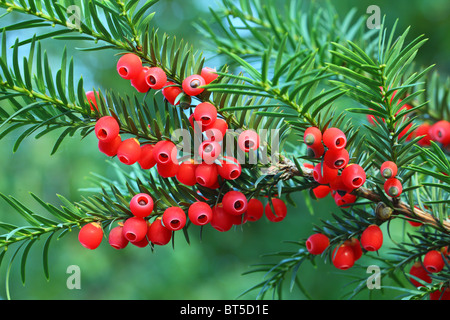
(210, 268)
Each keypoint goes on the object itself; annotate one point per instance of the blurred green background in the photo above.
(209, 269)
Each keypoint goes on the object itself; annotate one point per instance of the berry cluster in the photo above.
(334, 173)
(392, 186)
(347, 253)
(139, 231)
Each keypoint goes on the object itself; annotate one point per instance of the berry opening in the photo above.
(357, 181)
(102, 134)
(431, 269)
(239, 205)
(203, 218)
(175, 223)
(142, 201)
(163, 157)
(130, 236)
(339, 163)
(152, 79)
(124, 159)
(201, 181)
(123, 71)
(249, 144)
(195, 83)
(308, 245)
(234, 174)
(339, 142)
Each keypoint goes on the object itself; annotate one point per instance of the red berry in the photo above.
(343, 257)
(317, 243)
(135, 229)
(174, 218)
(141, 205)
(440, 132)
(312, 136)
(417, 270)
(443, 294)
(209, 74)
(91, 235)
(186, 173)
(165, 152)
(248, 140)
(206, 113)
(433, 261)
(158, 234)
(229, 168)
(129, 66)
(110, 148)
(200, 213)
(156, 78)
(217, 130)
(107, 129)
(147, 160)
(324, 174)
(372, 238)
(338, 185)
(221, 220)
(192, 83)
(171, 91)
(280, 210)
(393, 187)
(209, 151)
(92, 99)
(142, 243)
(336, 158)
(139, 82)
(388, 169)
(255, 209)
(316, 151)
(321, 191)
(206, 174)
(356, 246)
(116, 238)
(129, 151)
(423, 130)
(345, 200)
(168, 170)
(234, 202)
(334, 138)
(353, 176)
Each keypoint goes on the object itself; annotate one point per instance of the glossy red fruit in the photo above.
(433, 261)
(255, 209)
(248, 140)
(141, 244)
(206, 174)
(165, 152)
(191, 85)
(158, 234)
(336, 158)
(417, 270)
(388, 169)
(372, 238)
(443, 294)
(312, 136)
(116, 238)
(234, 202)
(92, 99)
(229, 168)
(221, 220)
(353, 176)
(107, 129)
(209, 74)
(91, 235)
(317, 243)
(156, 78)
(141, 205)
(339, 186)
(168, 170)
(186, 173)
(345, 200)
(209, 151)
(324, 174)
(147, 160)
(321, 191)
(110, 148)
(129, 66)
(424, 130)
(280, 210)
(171, 91)
(356, 247)
(140, 81)
(217, 130)
(393, 187)
(316, 151)
(206, 113)
(134, 229)
(174, 218)
(129, 151)
(343, 257)
(440, 132)
(200, 213)
(334, 138)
